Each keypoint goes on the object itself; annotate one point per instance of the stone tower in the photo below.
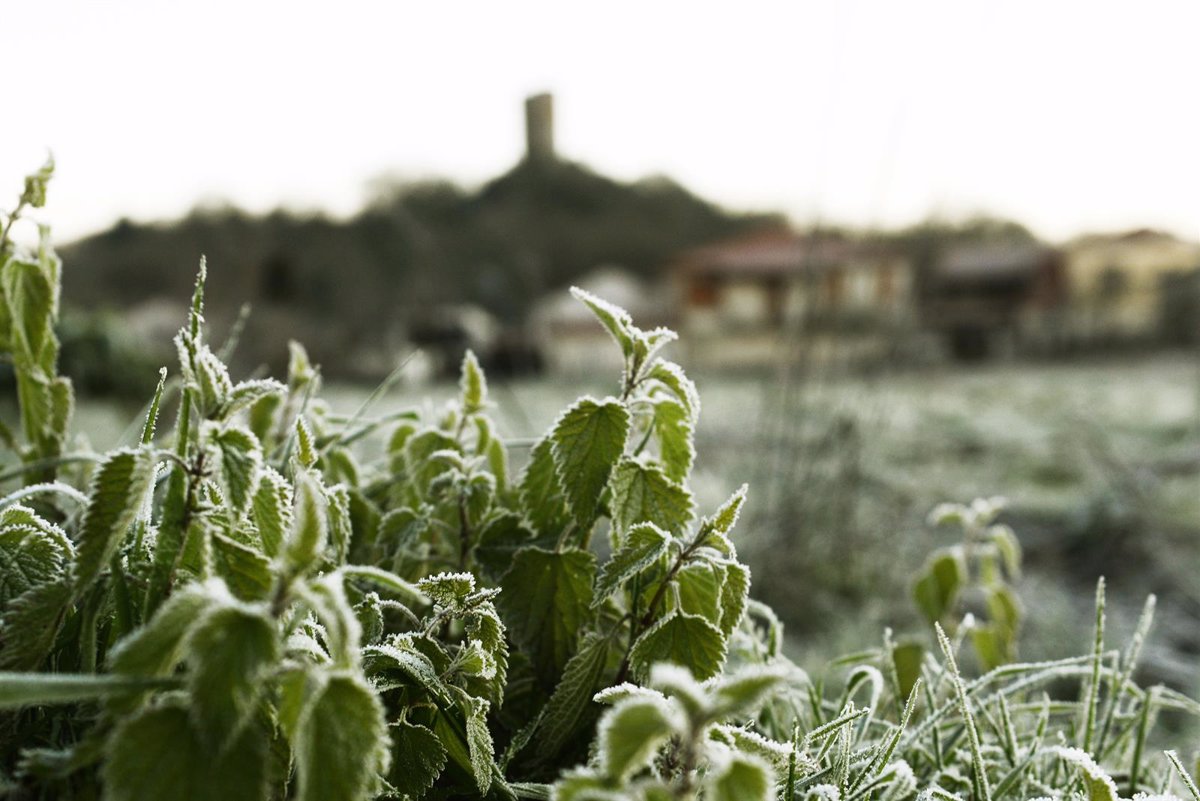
(539, 128)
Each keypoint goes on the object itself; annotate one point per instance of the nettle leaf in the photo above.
(32, 552)
(211, 378)
(671, 376)
(674, 430)
(31, 622)
(699, 590)
(448, 590)
(742, 694)
(272, 510)
(248, 393)
(246, 571)
(1100, 786)
(473, 385)
(937, 590)
(735, 595)
(546, 602)
(241, 459)
(498, 542)
(158, 646)
(586, 442)
(479, 741)
(340, 527)
(643, 545)
(30, 293)
(158, 754)
(566, 711)
(741, 778)
(631, 733)
(310, 525)
(418, 758)
(684, 640)
(119, 491)
(725, 518)
(542, 498)
(614, 319)
(643, 493)
(229, 653)
(400, 663)
(341, 742)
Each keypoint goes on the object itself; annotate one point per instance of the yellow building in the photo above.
(1115, 283)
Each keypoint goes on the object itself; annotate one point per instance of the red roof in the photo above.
(770, 252)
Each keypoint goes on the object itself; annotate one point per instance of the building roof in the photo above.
(771, 252)
(993, 261)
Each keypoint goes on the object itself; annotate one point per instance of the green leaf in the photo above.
(1004, 609)
(157, 754)
(1099, 785)
(341, 743)
(340, 527)
(479, 741)
(20, 690)
(472, 385)
(418, 758)
(991, 645)
(630, 734)
(30, 293)
(401, 661)
(310, 525)
(643, 545)
(246, 571)
(248, 393)
(542, 498)
(567, 710)
(157, 647)
(586, 442)
(642, 493)
(211, 379)
(241, 458)
(546, 602)
(272, 510)
(229, 653)
(674, 430)
(35, 184)
(614, 319)
(735, 595)
(741, 694)
(726, 517)
(937, 590)
(32, 552)
(742, 778)
(682, 639)
(671, 376)
(699, 590)
(907, 658)
(498, 542)
(119, 490)
(31, 623)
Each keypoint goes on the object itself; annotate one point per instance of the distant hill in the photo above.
(354, 286)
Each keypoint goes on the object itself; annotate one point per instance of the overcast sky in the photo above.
(1071, 116)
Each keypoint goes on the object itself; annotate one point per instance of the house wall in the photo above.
(1115, 287)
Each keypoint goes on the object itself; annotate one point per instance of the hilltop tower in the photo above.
(539, 128)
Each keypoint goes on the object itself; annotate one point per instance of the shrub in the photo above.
(254, 607)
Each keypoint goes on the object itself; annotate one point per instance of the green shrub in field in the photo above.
(254, 606)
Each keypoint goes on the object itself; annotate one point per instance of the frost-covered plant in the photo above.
(254, 606)
(969, 585)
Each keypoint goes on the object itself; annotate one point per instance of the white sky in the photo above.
(1070, 116)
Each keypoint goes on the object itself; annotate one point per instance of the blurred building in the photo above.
(573, 343)
(753, 300)
(996, 299)
(1124, 287)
